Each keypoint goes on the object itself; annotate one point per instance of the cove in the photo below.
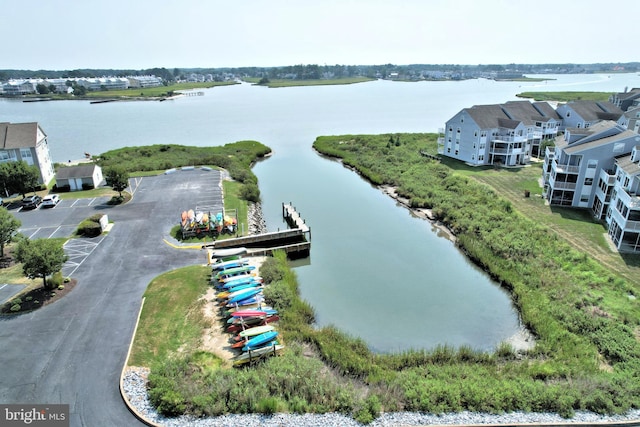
(375, 271)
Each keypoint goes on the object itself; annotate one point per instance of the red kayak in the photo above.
(248, 313)
(252, 321)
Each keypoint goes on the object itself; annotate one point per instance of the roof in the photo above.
(18, 135)
(596, 110)
(625, 163)
(632, 94)
(81, 171)
(610, 131)
(512, 113)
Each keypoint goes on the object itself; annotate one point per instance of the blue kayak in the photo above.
(260, 340)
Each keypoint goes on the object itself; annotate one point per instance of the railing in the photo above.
(632, 226)
(564, 185)
(565, 168)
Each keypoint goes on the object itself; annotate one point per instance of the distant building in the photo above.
(104, 83)
(26, 142)
(144, 81)
(79, 177)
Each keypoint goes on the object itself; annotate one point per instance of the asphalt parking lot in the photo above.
(72, 351)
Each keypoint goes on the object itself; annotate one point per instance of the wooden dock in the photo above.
(295, 241)
(293, 218)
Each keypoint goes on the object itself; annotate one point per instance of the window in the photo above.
(588, 181)
(25, 153)
(448, 149)
(592, 164)
(584, 198)
(456, 152)
(481, 158)
(568, 113)
(4, 156)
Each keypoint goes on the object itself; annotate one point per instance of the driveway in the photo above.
(73, 351)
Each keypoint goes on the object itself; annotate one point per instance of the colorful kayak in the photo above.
(242, 281)
(240, 287)
(222, 281)
(236, 271)
(221, 253)
(244, 289)
(250, 322)
(256, 299)
(260, 340)
(244, 294)
(257, 330)
(230, 264)
(248, 313)
(255, 355)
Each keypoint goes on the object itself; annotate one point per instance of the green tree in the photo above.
(40, 258)
(42, 89)
(8, 228)
(19, 177)
(118, 178)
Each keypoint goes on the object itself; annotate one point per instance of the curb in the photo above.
(128, 404)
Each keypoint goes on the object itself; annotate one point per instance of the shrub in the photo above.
(56, 280)
(15, 307)
(89, 228)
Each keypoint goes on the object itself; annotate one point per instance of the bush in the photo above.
(56, 280)
(15, 307)
(89, 228)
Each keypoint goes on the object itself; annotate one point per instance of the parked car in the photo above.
(50, 200)
(31, 202)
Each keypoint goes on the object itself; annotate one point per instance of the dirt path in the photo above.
(215, 339)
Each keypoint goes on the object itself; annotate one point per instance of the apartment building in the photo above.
(26, 142)
(578, 172)
(500, 134)
(623, 215)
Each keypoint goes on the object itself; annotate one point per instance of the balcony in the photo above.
(508, 138)
(563, 185)
(565, 168)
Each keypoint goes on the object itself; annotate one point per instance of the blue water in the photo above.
(375, 271)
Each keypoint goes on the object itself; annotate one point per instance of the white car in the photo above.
(50, 200)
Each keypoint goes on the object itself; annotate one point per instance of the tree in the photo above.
(42, 89)
(40, 258)
(118, 178)
(8, 228)
(19, 177)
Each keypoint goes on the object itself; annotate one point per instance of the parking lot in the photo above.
(58, 221)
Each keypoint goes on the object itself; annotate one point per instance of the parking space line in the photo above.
(3, 286)
(54, 232)
(91, 201)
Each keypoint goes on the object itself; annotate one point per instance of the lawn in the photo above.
(163, 332)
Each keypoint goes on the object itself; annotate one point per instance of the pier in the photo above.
(296, 241)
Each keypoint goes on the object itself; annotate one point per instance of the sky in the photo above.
(140, 34)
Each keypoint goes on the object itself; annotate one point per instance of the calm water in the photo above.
(375, 271)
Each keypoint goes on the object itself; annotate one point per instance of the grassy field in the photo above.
(172, 316)
(566, 96)
(320, 82)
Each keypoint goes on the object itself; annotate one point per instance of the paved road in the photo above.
(73, 351)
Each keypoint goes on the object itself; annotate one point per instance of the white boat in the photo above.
(260, 353)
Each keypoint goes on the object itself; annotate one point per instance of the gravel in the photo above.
(135, 388)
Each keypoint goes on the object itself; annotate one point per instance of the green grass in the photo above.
(566, 96)
(274, 83)
(232, 200)
(171, 318)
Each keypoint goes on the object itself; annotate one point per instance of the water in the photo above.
(375, 271)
